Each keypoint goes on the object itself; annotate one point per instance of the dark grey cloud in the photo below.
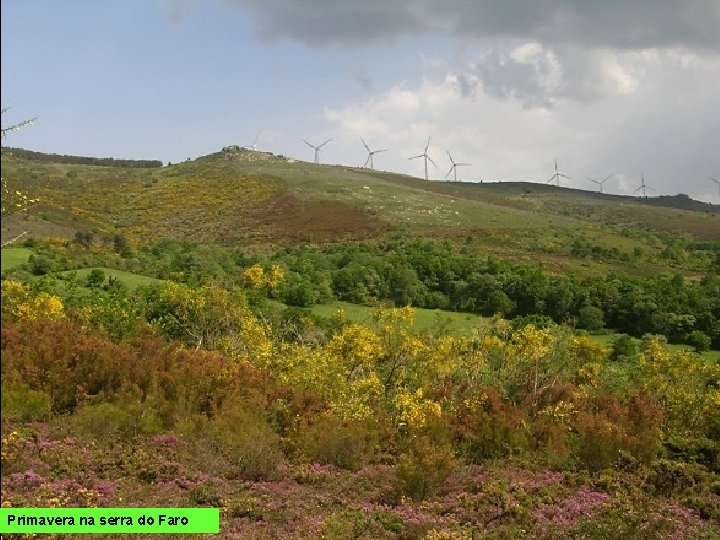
(538, 76)
(627, 24)
(501, 76)
(321, 22)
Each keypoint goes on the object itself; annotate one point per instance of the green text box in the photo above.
(110, 520)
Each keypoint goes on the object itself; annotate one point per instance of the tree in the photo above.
(591, 318)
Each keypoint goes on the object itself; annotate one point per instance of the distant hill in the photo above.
(81, 160)
(248, 198)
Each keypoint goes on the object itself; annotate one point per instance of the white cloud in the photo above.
(518, 107)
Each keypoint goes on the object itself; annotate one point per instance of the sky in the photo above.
(607, 88)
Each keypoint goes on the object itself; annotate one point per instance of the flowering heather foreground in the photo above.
(496, 500)
(184, 397)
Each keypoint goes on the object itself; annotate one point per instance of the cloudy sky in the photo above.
(621, 87)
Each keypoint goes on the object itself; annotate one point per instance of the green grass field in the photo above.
(132, 281)
(425, 319)
(13, 257)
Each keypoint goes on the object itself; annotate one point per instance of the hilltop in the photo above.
(258, 199)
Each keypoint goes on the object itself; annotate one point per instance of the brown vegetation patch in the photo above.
(34, 227)
(288, 218)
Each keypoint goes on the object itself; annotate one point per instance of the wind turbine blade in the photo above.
(365, 145)
(310, 145)
(463, 164)
(448, 173)
(431, 161)
(448, 153)
(564, 176)
(378, 151)
(415, 157)
(323, 144)
(427, 145)
(638, 189)
(367, 160)
(608, 177)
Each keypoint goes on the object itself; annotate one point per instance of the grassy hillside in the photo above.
(255, 198)
(14, 257)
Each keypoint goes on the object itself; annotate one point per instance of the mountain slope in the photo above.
(255, 198)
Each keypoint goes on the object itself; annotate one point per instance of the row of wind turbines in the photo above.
(371, 153)
(554, 179)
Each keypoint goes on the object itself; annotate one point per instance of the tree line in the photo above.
(84, 160)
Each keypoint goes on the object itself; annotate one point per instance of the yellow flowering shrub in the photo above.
(255, 275)
(413, 410)
(588, 349)
(686, 386)
(21, 304)
(531, 343)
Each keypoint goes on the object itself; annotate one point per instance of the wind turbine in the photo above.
(254, 144)
(425, 155)
(716, 181)
(371, 153)
(556, 177)
(643, 186)
(601, 182)
(453, 168)
(317, 149)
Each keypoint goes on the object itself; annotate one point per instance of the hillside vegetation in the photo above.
(257, 199)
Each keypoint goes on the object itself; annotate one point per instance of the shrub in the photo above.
(346, 525)
(205, 495)
(25, 405)
(422, 469)
(105, 421)
(591, 318)
(700, 340)
(40, 265)
(538, 321)
(330, 441)
(670, 477)
(240, 439)
(607, 429)
(95, 278)
(491, 429)
(623, 346)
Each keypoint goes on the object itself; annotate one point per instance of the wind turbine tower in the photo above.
(425, 155)
(601, 182)
(371, 153)
(254, 143)
(317, 149)
(556, 177)
(453, 168)
(643, 187)
(717, 182)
